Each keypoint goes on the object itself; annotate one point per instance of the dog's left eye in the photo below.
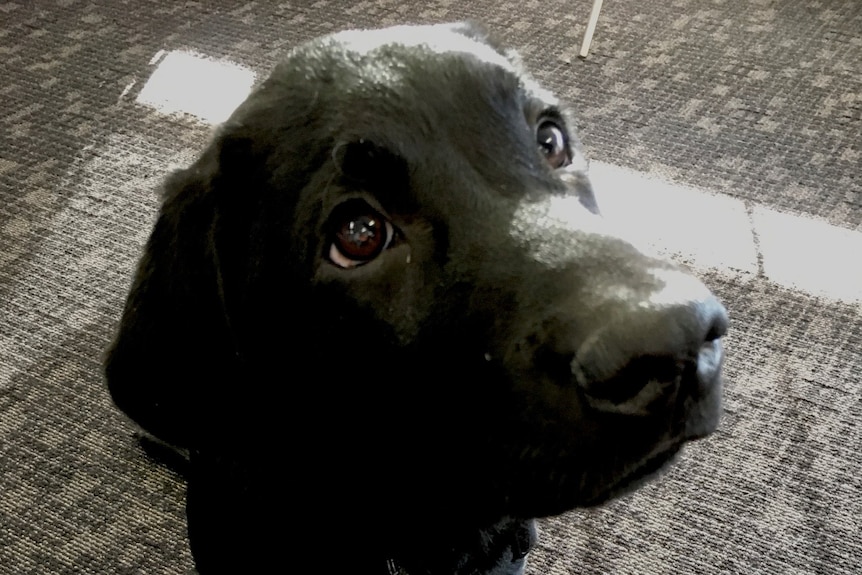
(553, 144)
(359, 234)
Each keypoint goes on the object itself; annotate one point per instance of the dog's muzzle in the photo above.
(642, 335)
(657, 347)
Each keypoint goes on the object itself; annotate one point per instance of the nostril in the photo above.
(714, 333)
(718, 322)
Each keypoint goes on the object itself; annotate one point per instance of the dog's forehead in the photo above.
(435, 39)
(382, 48)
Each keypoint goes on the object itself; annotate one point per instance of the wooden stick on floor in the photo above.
(591, 27)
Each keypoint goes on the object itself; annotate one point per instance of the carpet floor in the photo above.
(753, 106)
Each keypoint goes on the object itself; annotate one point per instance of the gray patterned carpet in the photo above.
(758, 103)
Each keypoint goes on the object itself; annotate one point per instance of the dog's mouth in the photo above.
(636, 476)
(556, 488)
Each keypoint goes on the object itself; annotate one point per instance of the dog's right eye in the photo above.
(358, 235)
(553, 143)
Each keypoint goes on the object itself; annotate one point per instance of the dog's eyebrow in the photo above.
(554, 112)
(536, 108)
(377, 168)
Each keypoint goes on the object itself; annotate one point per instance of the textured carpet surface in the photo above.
(759, 101)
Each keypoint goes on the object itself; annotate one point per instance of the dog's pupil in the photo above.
(359, 237)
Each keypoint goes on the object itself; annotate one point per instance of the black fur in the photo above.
(415, 413)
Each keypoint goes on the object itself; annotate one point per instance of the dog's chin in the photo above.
(635, 476)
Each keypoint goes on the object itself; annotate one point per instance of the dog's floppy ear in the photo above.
(174, 348)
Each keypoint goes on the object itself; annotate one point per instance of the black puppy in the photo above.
(384, 316)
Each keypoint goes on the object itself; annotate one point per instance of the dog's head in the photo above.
(389, 267)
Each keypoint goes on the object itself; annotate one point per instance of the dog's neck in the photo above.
(498, 550)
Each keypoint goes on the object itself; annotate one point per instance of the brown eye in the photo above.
(359, 234)
(553, 144)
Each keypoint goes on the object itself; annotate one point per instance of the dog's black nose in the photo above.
(652, 352)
